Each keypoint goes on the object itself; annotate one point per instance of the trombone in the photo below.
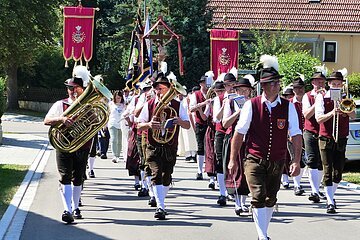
(346, 105)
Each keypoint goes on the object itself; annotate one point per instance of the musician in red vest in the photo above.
(332, 144)
(299, 91)
(71, 166)
(161, 157)
(311, 134)
(267, 120)
(197, 106)
(218, 110)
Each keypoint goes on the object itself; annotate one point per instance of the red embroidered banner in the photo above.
(224, 45)
(78, 33)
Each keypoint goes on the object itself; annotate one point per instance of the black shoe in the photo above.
(152, 202)
(80, 203)
(230, 197)
(160, 214)
(91, 174)
(143, 192)
(238, 211)
(67, 217)
(330, 208)
(199, 176)
(194, 159)
(335, 204)
(322, 196)
(222, 200)
(314, 197)
(188, 159)
(137, 186)
(298, 191)
(77, 214)
(98, 153)
(212, 185)
(285, 185)
(103, 156)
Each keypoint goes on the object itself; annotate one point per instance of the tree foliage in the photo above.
(267, 42)
(354, 85)
(293, 63)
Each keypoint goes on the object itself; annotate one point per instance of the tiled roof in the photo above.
(295, 15)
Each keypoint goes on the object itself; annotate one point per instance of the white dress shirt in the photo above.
(244, 122)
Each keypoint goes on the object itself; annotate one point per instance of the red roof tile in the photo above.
(295, 15)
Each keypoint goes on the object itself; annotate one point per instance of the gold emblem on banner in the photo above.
(78, 36)
(224, 57)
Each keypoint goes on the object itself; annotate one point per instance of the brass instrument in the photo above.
(163, 135)
(210, 94)
(89, 113)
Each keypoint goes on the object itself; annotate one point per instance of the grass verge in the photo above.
(352, 172)
(27, 112)
(352, 177)
(11, 177)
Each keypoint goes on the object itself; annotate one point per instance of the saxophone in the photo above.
(89, 112)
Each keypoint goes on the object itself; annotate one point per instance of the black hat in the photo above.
(288, 91)
(243, 82)
(269, 75)
(218, 85)
(161, 79)
(202, 79)
(75, 81)
(229, 78)
(336, 76)
(195, 88)
(298, 82)
(318, 75)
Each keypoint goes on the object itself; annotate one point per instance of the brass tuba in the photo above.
(163, 135)
(89, 113)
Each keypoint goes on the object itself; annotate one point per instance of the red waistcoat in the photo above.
(326, 128)
(311, 124)
(199, 99)
(298, 108)
(268, 133)
(218, 126)
(174, 141)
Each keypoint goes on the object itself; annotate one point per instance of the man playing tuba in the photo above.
(161, 154)
(71, 166)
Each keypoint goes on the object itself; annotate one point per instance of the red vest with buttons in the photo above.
(268, 133)
(218, 126)
(174, 141)
(199, 99)
(298, 108)
(311, 124)
(326, 128)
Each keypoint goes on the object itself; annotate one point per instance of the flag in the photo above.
(139, 62)
(78, 33)
(149, 44)
(224, 45)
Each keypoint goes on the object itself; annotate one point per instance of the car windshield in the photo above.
(357, 111)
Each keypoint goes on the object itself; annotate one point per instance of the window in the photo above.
(330, 49)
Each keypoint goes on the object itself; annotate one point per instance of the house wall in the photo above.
(348, 50)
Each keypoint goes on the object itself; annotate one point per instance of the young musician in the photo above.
(332, 142)
(161, 157)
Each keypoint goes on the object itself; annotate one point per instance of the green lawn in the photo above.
(352, 172)
(11, 177)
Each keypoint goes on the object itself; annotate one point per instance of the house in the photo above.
(330, 29)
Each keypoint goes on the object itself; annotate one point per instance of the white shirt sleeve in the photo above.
(227, 109)
(183, 113)
(244, 121)
(193, 101)
(319, 106)
(144, 114)
(216, 109)
(305, 103)
(293, 121)
(56, 110)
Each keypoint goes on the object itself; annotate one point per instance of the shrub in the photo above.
(354, 85)
(2, 96)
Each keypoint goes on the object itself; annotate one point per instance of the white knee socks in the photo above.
(159, 195)
(91, 163)
(221, 182)
(66, 195)
(314, 180)
(200, 161)
(76, 196)
(297, 179)
(261, 222)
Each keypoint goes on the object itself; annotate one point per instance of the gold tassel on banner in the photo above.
(66, 64)
(81, 63)
(87, 65)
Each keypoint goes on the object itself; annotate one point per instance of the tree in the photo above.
(24, 27)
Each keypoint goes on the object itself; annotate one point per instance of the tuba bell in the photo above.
(163, 112)
(89, 112)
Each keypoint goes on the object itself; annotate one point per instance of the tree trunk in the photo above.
(12, 87)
